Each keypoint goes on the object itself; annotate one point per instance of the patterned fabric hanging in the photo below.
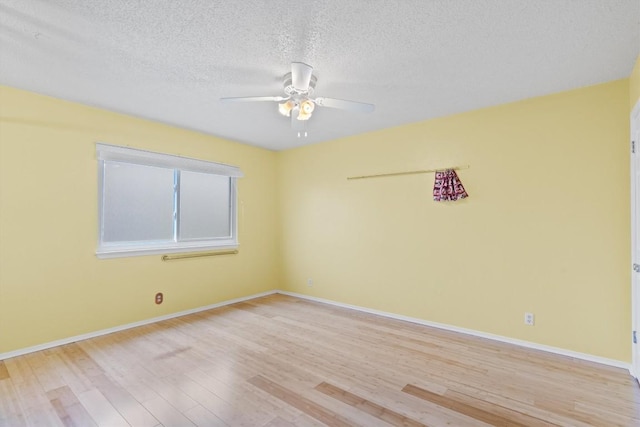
(447, 186)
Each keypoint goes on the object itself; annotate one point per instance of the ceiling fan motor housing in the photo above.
(291, 91)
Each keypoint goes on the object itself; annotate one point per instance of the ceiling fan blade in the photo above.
(255, 98)
(343, 104)
(301, 76)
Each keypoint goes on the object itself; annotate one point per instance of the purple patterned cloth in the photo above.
(447, 186)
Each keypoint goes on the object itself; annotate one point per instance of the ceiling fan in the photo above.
(297, 102)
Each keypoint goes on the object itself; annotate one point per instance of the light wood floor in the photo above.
(281, 361)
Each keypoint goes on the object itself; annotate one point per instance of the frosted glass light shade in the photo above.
(285, 108)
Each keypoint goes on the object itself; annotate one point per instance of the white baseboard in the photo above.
(521, 343)
(82, 337)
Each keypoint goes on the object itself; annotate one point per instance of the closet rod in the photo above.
(381, 175)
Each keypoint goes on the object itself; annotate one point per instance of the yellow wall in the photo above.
(51, 284)
(545, 229)
(634, 84)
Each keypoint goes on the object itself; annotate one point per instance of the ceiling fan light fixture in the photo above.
(285, 108)
(298, 102)
(306, 108)
(303, 116)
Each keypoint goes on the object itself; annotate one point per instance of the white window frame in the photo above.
(107, 152)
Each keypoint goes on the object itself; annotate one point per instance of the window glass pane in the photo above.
(138, 203)
(205, 206)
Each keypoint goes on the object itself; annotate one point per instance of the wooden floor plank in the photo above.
(229, 413)
(515, 417)
(34, 403)
(69, 408)
(70, 374)
(301, 403)
(167, 414)
(11, 412)
(4, 374)
(48, 378)
(462, 407)
(200, 416)
(237, 393)
(279, 422)
(378, 411)
(101, 410)
(130, 409)
(280, 360)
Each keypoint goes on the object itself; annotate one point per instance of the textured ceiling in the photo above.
(171, 61)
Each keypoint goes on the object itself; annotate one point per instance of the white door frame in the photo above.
(635, 243)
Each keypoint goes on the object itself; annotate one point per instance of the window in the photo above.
(152, 203)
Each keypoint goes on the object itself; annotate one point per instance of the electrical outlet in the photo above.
(309, 282)
(159, 298)
(529, 319)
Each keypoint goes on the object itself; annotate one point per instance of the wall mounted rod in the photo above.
(382, 175)
(198, 255)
